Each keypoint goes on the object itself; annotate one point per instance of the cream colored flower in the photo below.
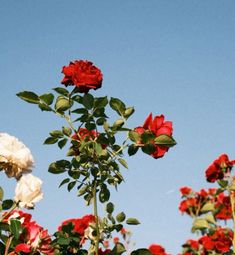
(28, 191)
(15, 157)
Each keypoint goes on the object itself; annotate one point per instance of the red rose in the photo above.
(219, 168)
(157, 249)
(156, 126)
(82, 74)
(185, 191)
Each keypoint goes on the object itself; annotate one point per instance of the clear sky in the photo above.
(174, 58)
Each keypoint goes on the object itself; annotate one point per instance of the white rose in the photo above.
(28, 191)
(15, 157)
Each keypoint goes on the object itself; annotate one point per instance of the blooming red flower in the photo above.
(79, 224)
(156, 126)
(223, 206)
(218, 169)
(157, 249)
(84, 133)
(185, 191)
(17, 214)
(82, 74)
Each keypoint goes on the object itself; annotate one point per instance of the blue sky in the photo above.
(174, 58)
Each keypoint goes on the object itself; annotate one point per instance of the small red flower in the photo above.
(156, 126)
(157, 249)
(218, 169)
(82, 74)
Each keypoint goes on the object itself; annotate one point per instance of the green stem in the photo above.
(232, 201)
(8, 243)
(6, 214)
(97, 239)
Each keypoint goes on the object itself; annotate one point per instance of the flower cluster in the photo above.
(157, 249)
(219, 168)
(33, 238)
(218, 241)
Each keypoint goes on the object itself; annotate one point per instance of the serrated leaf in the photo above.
(132, 149)
(47, 98)
(62, 91)
(117, 105)
(109, 207)
(132, 221)
(15, 228)
(165, 140)
(100, 102)
(121, 217)
(29, 97)
(56, 133)
(62, 143)
(134, 136)
(88, 101)
(71, 185)
(64, 182)
(51, 140)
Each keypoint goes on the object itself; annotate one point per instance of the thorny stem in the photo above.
(8, 243)
(97, 239)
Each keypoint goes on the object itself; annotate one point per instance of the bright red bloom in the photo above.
(82, 74)
(223, 206)
(79, 224)
(157, 249)
(156, 126)
(218, 169)
(185, 191)
(18, 215)
(84, 133)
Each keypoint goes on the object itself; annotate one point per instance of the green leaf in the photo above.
(64, 182)
(51, 140)
(71, 185)
(74, 173)
(80, 111)
(222, 183)
(56, 133)
(123, 162)
(44, 107)
(7, 204)
(62, 91)
(47, 98)
(134, 136)
(132, 221)
(62, 143)
(88, 101)
(29, 97)
(118, 249)
(1, 193)
(208, 207)
(62, 104)
(141, 252)
(121, 217)
(128, 112)
(118, 124)
(147, 137)
(109, 207)
(63, 241)
(15, 228)
(59, 167)
(132, 149)
(100, 102)
(117, 105)
(67, 131)
(200, 224)
(148, 148)
(104, 194)
(210, 218)
(100, 121)
(165, 140)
